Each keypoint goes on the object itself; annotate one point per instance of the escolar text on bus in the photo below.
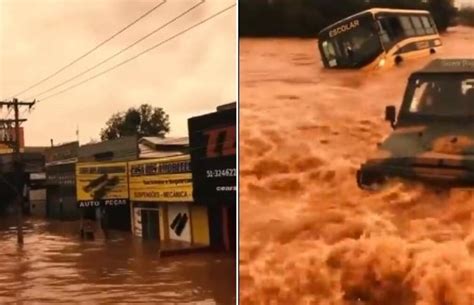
(344, 28)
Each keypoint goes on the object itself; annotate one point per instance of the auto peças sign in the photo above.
(101, 184)
(212, 139)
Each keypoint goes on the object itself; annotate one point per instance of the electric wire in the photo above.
(121, 51)
(93, 49)
(141, 53)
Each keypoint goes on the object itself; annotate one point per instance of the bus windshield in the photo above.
(350, 45)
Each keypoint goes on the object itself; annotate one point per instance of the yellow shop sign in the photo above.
(164, 180)
(101, 184)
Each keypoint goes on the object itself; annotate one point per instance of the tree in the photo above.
(142, 121)
(466, 16)
(305, 18)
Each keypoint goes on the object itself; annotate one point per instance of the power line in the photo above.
(93, 49)
(121, 51)
(141, 53)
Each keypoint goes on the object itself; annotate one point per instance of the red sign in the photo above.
(226, 147)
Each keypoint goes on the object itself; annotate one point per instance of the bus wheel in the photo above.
(432, 51)
(398, 60)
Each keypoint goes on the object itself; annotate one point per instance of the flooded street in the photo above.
(309, 235)
(56, 267)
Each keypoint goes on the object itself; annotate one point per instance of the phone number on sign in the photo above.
(228, 172)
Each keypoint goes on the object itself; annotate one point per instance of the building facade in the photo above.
(102, 182)
(162, 202)
(61, 181)
(213, 165)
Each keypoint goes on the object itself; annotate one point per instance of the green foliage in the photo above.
(466, 16)
(142, 121)
(305, 18)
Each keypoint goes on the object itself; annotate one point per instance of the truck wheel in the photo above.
(369, 181)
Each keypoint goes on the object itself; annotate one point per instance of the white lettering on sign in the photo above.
(87, 204)
(226, 188)
(468, 63)
(115, 202)
(344, 28)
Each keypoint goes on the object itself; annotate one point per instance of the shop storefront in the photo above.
(213, 163)
(61, 181)
(162, 202)
(105, 202)
(102, 193)
(61, 192)
(37, 194)
(33, 164)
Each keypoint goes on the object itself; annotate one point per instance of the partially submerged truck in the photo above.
(433, 132)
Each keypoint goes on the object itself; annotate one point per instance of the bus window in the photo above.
(419, 30)
(391, 30)
(407, 26)
(383, 34)
(433, 24)
(427, 25)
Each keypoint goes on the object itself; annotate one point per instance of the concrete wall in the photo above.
(122, 149)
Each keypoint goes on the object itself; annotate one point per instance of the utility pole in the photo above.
(17, 163)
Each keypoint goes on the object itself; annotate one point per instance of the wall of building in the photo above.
(37, 199)
(122, 149)
(212, 139)
(179, 222)
(165, 184)
(61, 192)
(200, 224)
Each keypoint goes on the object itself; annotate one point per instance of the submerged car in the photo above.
(433, 133)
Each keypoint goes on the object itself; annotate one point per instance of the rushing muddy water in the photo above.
(308, 234)
(56, 267)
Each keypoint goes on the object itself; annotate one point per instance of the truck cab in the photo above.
(433, 131)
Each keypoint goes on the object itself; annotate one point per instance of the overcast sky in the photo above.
(187, 76)
(464, 2)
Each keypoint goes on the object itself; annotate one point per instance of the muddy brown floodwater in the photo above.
(56, 267)
(308, 234)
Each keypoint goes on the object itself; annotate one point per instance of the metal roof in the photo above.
(165, 141)
(232, 105)
(451, 65)
(121, 149)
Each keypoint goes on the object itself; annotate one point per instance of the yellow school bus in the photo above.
(378, 38)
